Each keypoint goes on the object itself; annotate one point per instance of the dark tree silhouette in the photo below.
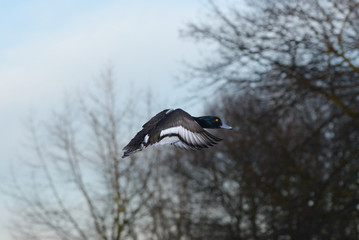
(292, 177)
(288, 50)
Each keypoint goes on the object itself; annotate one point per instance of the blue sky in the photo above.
(49, 47)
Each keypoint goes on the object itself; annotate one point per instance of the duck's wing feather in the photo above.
(136, 143)
(155, 119)
(179, 123)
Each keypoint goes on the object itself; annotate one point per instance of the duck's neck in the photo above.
(203, 122)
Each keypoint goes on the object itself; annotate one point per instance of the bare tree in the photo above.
(288, 50)
(272, 177)
(286, 75)
(77, 185)
(171, 205)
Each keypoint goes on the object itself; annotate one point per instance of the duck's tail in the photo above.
(135, 145)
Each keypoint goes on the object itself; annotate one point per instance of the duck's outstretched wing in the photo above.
(137, 143)
(155, 119)
(191, 135)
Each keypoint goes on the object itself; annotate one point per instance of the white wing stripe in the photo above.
(198, 139)
(146, 138)
(191, 139)
(203, 140)
(194, 140)
(188, 136)
(168, 131)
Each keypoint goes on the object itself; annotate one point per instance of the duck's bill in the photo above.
(225, 126)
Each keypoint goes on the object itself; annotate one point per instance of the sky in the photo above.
(50, 47)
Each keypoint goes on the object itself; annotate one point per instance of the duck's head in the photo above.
(211, 122)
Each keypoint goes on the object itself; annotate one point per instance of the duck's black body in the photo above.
(178, 128)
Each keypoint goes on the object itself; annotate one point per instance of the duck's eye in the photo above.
(217, 119)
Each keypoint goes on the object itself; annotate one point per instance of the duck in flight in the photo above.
(178, 128)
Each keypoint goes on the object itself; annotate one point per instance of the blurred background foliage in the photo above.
(284, 74)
